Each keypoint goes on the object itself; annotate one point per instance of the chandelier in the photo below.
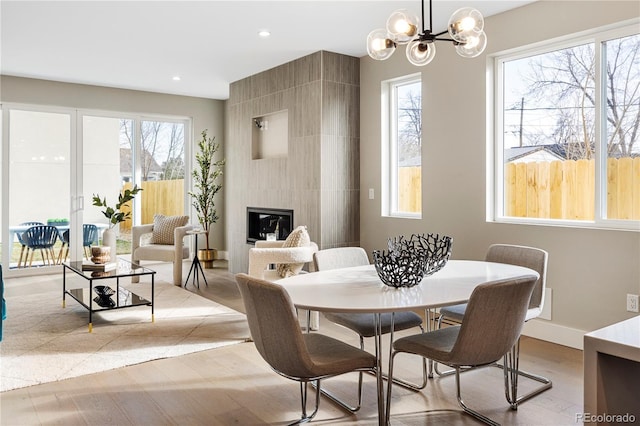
(465, 29)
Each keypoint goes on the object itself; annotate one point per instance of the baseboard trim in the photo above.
(554, 333)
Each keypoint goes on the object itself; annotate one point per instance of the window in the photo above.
(402, 149)
(567, 128)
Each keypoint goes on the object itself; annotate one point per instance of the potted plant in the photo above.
(205, 177)
(115, 215)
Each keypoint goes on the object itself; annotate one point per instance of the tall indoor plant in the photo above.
(115, 215)
(205, 177)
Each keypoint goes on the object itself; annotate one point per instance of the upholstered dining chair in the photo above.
(493, 321)
(275, 260)
(364, 324)
(303, 357)
(532, 258)
(21, 241)
(166, 243)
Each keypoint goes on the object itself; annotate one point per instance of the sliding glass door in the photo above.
(55, 160)
(38, 186)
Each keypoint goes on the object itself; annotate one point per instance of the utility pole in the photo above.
(521, 118)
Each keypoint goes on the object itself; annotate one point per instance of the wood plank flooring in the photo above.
(234, 386)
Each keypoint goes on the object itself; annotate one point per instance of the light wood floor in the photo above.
(234, 386)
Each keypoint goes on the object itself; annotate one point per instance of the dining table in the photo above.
(360, 290)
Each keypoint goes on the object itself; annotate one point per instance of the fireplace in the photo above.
(262, 221)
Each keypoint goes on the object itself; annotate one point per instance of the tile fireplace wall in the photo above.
(319, 176)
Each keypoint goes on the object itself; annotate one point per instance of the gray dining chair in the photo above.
(303, 357)
(364, 324)
(494, 318)
(532, 258)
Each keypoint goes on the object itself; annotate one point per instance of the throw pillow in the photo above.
(299, 237)
(163, 227)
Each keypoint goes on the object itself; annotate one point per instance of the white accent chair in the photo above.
(264, 257)
(175, 252)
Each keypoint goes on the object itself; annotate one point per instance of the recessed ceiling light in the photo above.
(264, 33)
(176, 78)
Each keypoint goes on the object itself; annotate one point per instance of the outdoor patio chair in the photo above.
(89, 238)
(42, 238)
(21, 240)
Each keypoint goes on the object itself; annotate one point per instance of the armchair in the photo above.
(175, 252)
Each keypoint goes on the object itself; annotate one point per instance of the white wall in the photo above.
(590, 271)
(205, 114)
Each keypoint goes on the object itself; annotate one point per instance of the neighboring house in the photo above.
(154, 171)
(527, 154)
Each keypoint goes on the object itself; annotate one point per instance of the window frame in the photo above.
(389, 151)
(495, 134)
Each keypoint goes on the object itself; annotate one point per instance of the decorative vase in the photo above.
(207, 257)
(109, 240)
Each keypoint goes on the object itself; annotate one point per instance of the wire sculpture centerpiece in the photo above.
(408, 261)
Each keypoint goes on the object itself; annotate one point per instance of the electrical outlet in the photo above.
(632, 302)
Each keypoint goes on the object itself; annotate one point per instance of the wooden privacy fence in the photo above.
(163, 197)
(552, 190)
(410, 189)
(566, 189)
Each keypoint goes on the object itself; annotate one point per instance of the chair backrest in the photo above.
(529, 257)
(274, 326)
(493, 321)
(19, 234)
(40, 236)
(89, 234)
(340, 257)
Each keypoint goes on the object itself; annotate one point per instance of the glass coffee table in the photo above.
(102, 297)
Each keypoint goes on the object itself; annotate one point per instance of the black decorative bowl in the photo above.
(407, 262)
(103, 290)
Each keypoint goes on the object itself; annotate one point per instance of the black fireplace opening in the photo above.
(263, 221)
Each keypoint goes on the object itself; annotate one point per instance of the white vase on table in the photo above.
(109, 240)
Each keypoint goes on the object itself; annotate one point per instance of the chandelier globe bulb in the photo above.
(473, 47)
(465, 22)
(380, 45)
(402, 25)
(420, 52)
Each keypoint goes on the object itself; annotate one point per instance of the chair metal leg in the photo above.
(473, 413)
(401, 382)
(436, 364)
(512, 370)
(303, 398)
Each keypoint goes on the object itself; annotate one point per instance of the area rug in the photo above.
(44, 342)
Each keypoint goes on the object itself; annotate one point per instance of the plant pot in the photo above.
(207, 257)
(109, 240)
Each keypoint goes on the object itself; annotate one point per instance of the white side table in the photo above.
(196, 266)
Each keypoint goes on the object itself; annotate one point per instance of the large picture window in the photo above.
(402, 150)
(567, 128)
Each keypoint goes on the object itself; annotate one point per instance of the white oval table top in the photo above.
(359, 289)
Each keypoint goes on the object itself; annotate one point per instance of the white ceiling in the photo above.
(142, 44)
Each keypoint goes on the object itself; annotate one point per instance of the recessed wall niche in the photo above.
(270, 135)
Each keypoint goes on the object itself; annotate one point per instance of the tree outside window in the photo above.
(553, 152)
